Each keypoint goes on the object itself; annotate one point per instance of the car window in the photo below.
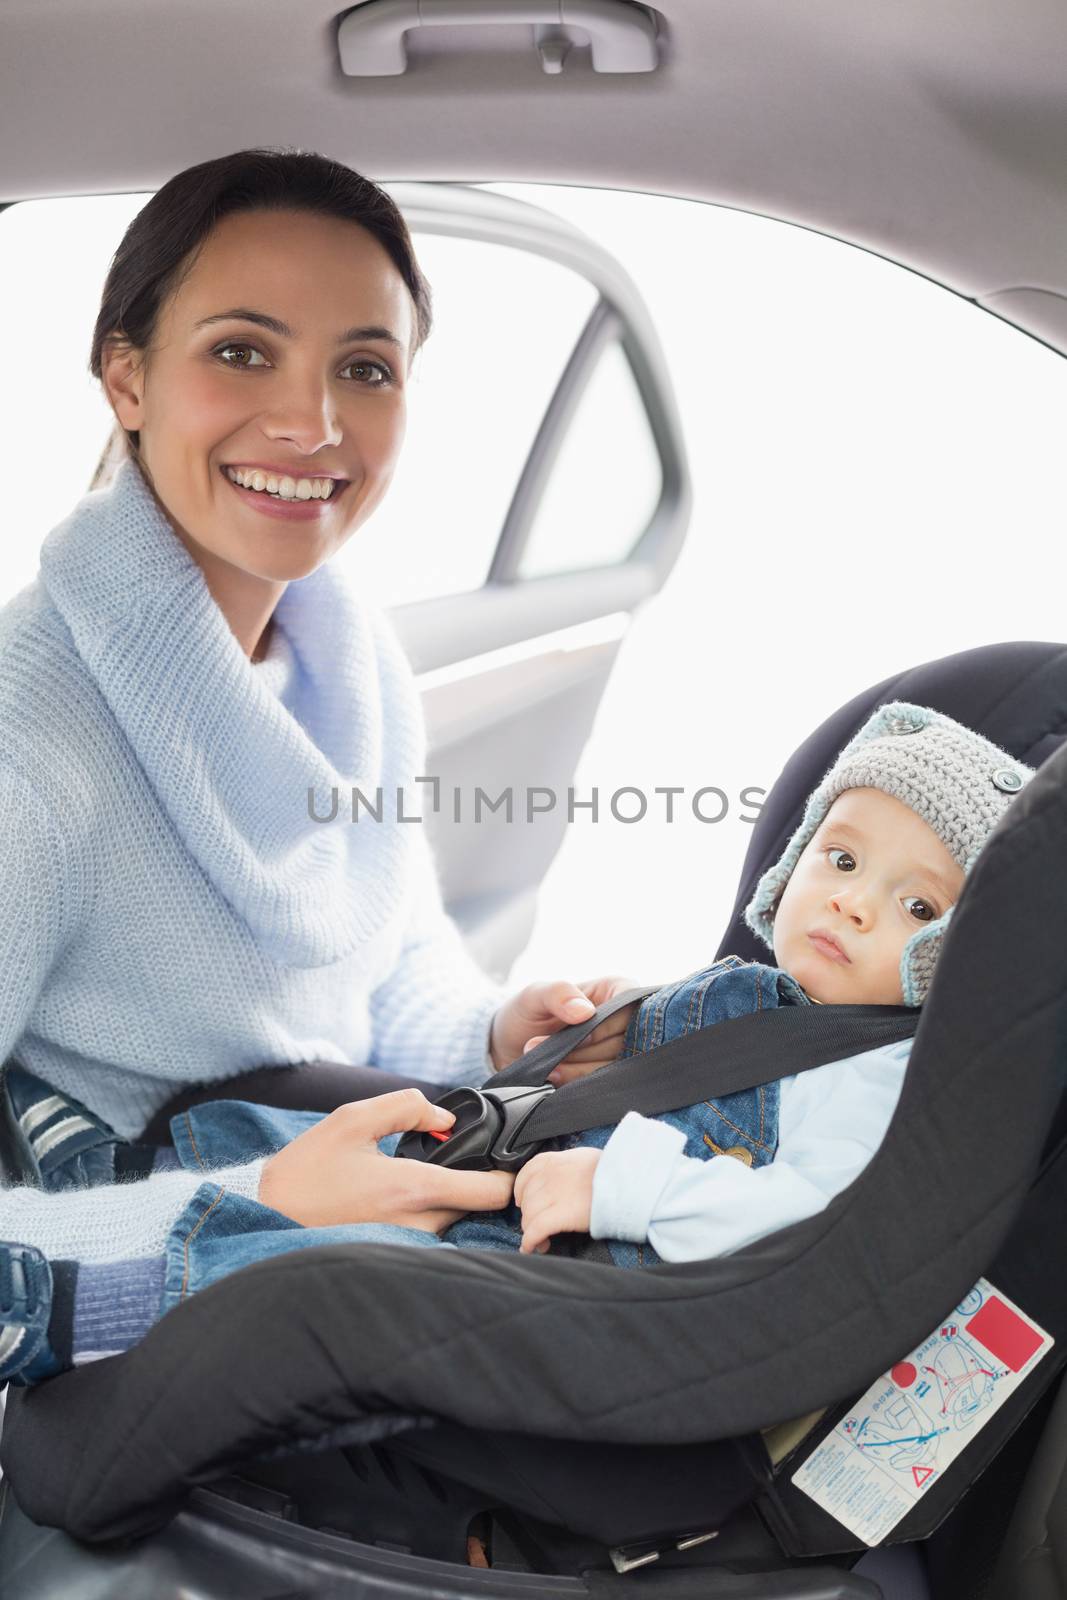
(605, 483)
(54, 256)
(876, 470)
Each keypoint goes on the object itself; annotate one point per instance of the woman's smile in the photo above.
(296, 509)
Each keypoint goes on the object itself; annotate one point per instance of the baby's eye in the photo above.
(932, 914)
(835, 852)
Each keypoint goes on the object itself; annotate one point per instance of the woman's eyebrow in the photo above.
(275, 325)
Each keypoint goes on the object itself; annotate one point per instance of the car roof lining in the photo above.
(934, 137)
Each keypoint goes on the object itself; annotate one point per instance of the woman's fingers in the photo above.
(401, 1111)
(567, 1074)
(601, 1046)
(566, 1001)
(604, 1042)
(606, 1033)
(449, 1188)
(600, 990)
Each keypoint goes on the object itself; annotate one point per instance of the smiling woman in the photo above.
(254, 340)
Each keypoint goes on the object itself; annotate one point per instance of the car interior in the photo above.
(932, 140)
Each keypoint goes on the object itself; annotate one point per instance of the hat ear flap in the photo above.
(761, 909)
(919, 958)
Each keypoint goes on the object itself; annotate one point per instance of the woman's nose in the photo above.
(307, 418)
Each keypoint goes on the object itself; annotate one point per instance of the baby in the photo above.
(855, 912)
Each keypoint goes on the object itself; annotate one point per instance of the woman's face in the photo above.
(285, 348)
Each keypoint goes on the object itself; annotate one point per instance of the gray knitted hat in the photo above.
(954, 779)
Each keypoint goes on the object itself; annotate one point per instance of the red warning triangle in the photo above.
(920, 1474)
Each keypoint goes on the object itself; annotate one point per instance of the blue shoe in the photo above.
(25, 1307)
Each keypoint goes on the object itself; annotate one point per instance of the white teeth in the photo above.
(284, 487)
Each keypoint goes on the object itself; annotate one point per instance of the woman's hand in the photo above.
(555, 1194)
(543, 1008)
(335, 1173)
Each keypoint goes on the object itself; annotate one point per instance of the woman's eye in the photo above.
(835, 852)
(913, 899)
(247, 349)
(382, 373)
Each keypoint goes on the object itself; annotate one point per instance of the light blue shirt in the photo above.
(831, 1121)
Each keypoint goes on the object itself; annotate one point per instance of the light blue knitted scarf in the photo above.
(230, 761)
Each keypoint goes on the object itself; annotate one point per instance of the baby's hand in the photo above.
(554, 1191)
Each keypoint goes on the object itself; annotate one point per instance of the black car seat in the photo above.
(1032, 1561)
(592, 1430)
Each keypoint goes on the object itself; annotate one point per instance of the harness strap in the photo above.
(740, 1053)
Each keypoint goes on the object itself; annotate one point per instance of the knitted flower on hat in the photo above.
(958, 782)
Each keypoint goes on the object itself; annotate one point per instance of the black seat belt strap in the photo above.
(536, 1064)
(725, 1058)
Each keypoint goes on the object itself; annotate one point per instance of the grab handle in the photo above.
(371, 37)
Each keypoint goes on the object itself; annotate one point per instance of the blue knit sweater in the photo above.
(169, 912)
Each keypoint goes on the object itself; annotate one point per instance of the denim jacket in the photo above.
(743, 1126)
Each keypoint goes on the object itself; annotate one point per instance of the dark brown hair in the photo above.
(167, 234)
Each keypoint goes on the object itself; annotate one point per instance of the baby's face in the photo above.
(872, 875)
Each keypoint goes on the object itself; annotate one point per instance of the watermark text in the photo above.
(524, 804)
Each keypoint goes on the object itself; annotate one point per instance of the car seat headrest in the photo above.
(1015, 694)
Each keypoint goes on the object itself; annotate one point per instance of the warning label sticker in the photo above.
(899, 1438)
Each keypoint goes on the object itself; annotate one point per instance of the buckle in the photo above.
(487, 1133)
